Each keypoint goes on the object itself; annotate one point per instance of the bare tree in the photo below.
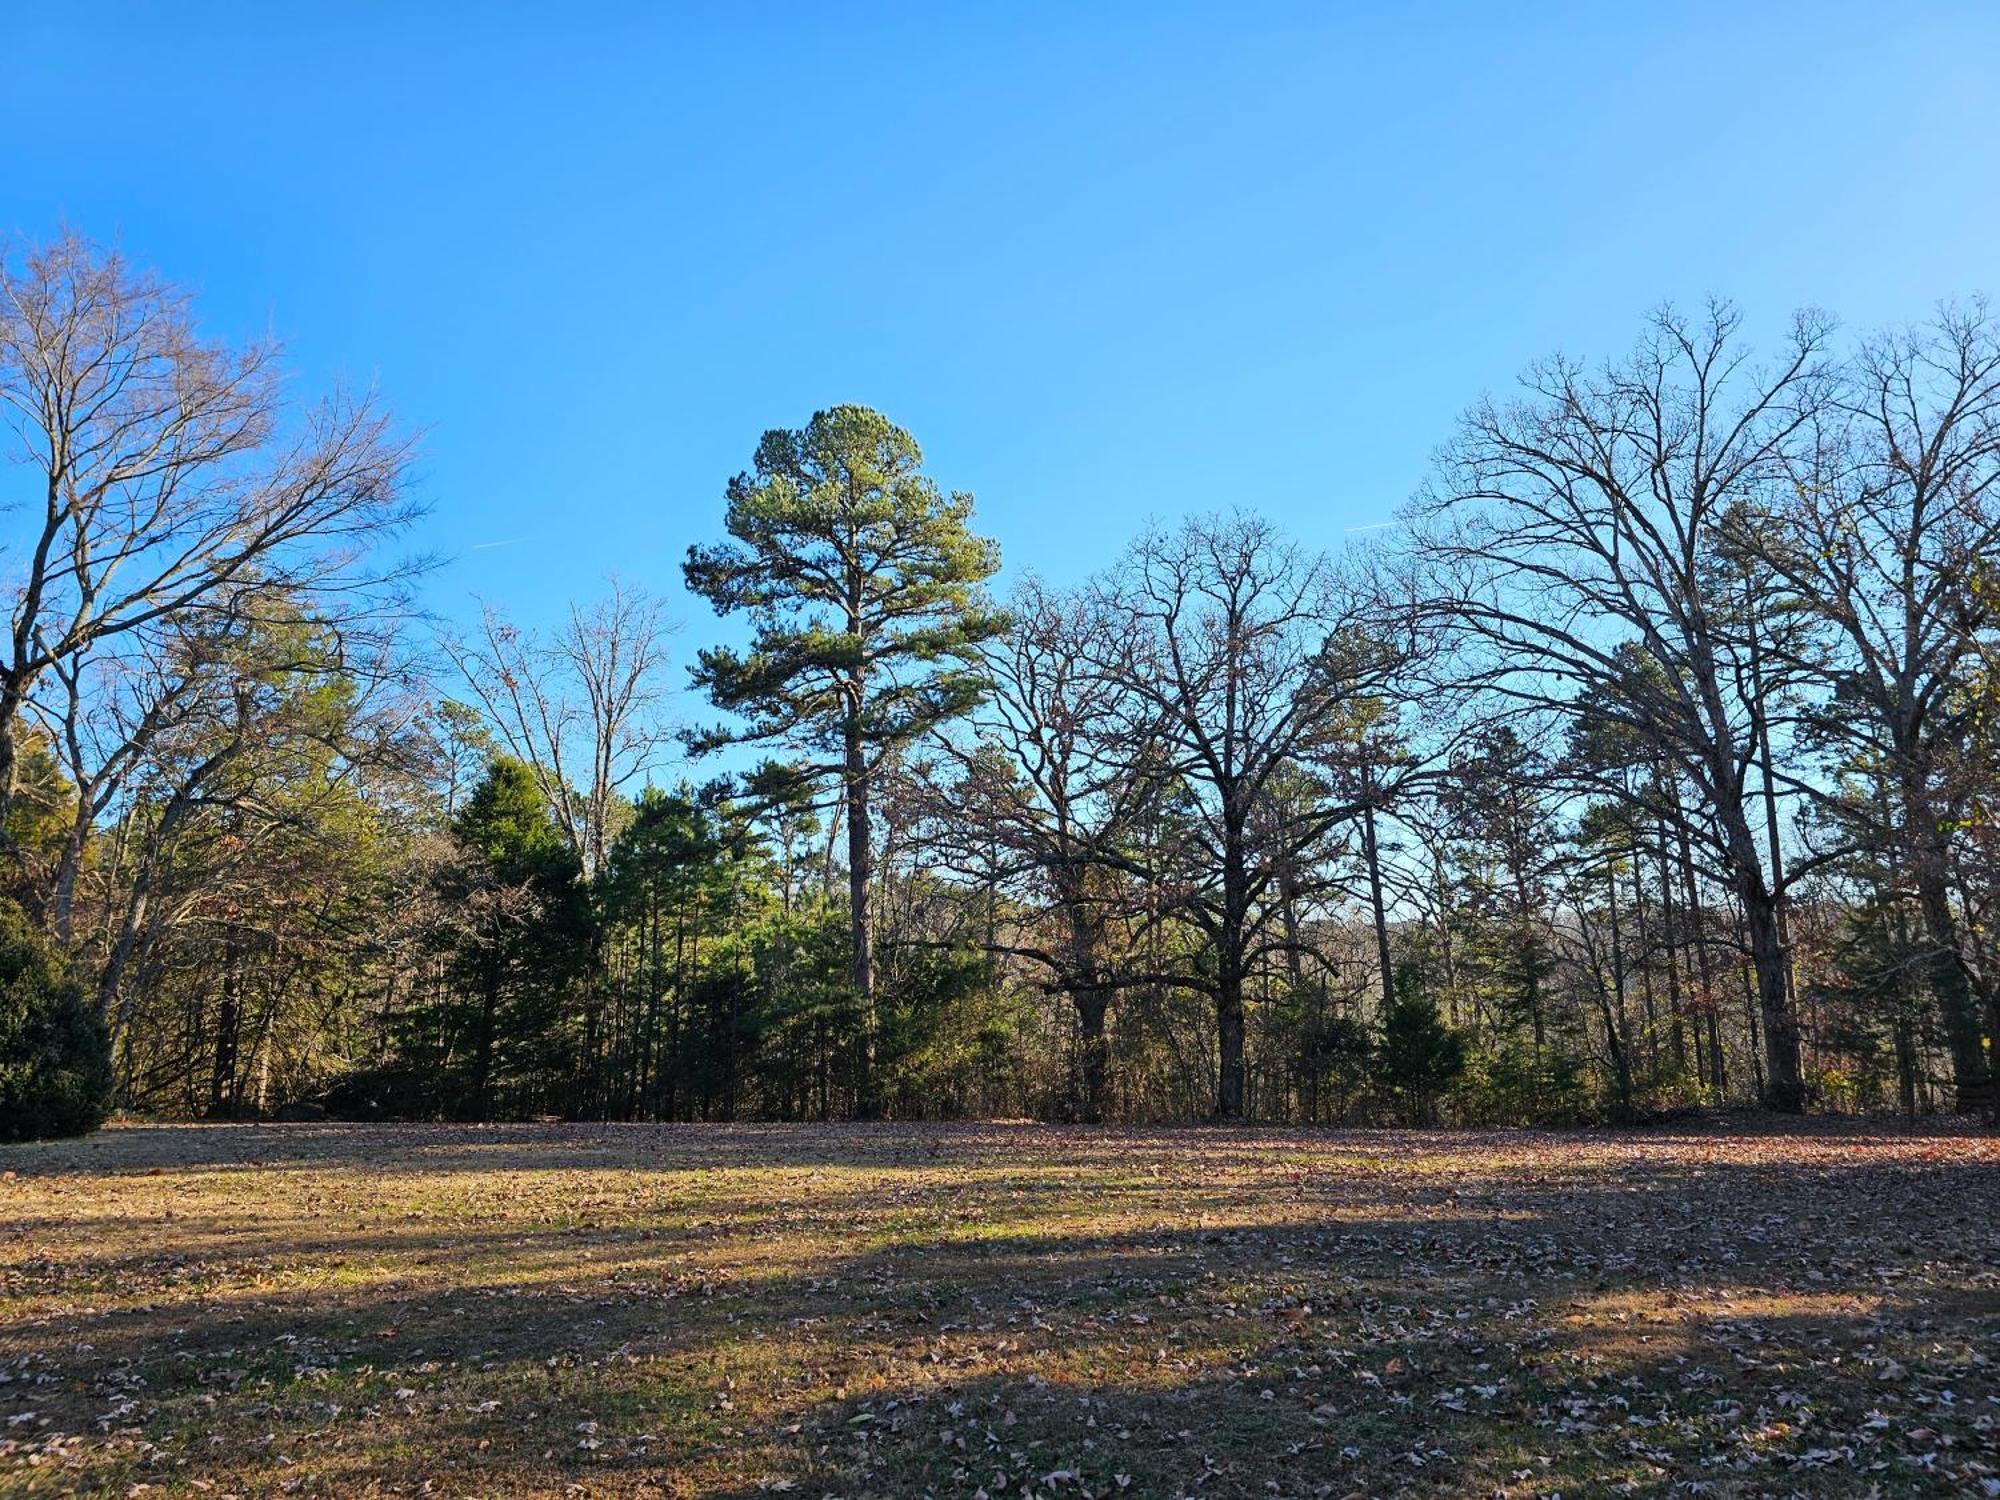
(258, 714)
(1573, 537)
(1890, 520)
(107, 711)
(1254, 665)
(581, 709)
(173, 478)
(1042, 798)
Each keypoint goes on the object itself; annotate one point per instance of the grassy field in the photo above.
(998, 1310)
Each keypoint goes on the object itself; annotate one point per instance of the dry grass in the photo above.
(895, 1310)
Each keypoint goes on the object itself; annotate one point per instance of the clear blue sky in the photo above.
(1105, 261)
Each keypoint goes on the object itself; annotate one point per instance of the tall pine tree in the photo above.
(865, 588)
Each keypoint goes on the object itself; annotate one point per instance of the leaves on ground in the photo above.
(1010, 1311)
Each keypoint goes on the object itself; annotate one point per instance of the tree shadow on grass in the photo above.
(1452, 1310)
(428, 1150)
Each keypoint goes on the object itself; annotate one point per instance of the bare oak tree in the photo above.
(1882, 536)
(1253, 665)
(1578, 529)
(1041, 800)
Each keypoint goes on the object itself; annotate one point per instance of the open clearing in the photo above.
(909, 1310)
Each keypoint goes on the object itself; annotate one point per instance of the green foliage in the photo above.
(865, 587)
(506, 823)
(1335, 1062)
(862, 580)
(951, 1035)
(44, 802)
(527, 933)
(808, 1016)
(1511, 1082)
(1875, 995)
(55, 1058)
(1417, 1056)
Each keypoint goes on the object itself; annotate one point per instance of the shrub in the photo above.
(55, 1056)
(396, 1090)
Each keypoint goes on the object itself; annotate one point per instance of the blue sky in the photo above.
(1107, 261)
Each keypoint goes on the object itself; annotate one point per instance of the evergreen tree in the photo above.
(529, 931)
(865, 588)
(55, 1059)
(1418, 1056)
(666, 882)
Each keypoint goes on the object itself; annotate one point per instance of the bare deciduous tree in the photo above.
(1042, 800)
(1253, 664)
(172, 479)
(581, 709)
(1889, 521)
(1577, 531)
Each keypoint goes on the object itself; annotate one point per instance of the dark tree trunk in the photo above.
(1958, 1005)
(1697, 918)
(228, 1031)
(1675, 1004)
(1906, 1068)
(1372, 853)
(1229, 962)
(1784, 1083)
(1648, 1000)
(860, 879)
(1229, 1035)
(13, 696)
(1611, 1006)
(1094, 1055)
(482, 1053)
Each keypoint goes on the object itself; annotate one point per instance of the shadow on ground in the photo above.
(944, 1310)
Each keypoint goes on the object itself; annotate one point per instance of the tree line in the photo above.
(1648, 765)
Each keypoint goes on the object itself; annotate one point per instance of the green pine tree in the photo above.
(531, 932)
(865, 588)
(1417, 1056)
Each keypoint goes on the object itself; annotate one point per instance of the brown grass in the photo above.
(914, 1310)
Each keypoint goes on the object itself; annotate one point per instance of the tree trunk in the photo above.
(13, 695)
(1697, 919)
(1372, 852)
(228, 1030)
(68, 866)
(1229, 1036)
(138, 904)
(1749, 977)
(860, 879)
(1614, 1041)
(1958, 1006)
(1761, 724)
(1784, 1084)
(1678, 1036)
(1648, 1000)
(1094, 1056)
(1229, 949)
(482, 1053)
(1906, 1068)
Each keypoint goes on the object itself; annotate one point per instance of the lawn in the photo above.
(1004, 1310)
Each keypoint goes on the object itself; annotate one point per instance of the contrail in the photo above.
(1371, 526)
(512, 541)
